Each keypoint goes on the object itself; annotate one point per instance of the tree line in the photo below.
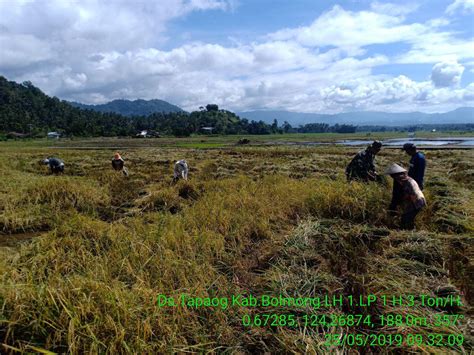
(25, 109)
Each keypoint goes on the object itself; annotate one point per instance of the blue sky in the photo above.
(300, 55)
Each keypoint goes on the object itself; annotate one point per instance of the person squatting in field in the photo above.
(362, 165)
(406, 193)
(119, 164)
(56, 165)
(417, 164)
(181, 170)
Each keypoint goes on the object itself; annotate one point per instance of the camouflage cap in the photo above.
(376, 144)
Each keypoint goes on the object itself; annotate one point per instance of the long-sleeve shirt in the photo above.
(417, 168)
(55, 162)
(118, 164)
(408, 194)
(361, 165)
(181, 169)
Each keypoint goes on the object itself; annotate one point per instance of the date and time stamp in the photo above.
(363, 328)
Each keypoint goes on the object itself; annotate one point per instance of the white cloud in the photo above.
(468, 93)
(446, 74)
(347, 29)
(87, 25)
(463, 6)
(437, 47)
(399, 94)
(75, 81)
(22, 50)
(393, 9)
(97, 51)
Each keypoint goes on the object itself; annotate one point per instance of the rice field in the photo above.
(84, 255)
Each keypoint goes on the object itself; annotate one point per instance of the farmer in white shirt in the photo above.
(180, 170)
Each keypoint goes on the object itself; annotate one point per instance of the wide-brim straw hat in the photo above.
(395, 169)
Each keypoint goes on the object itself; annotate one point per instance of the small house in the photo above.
(142, 134)
(53, 135)
(207, 130)
(147, 134)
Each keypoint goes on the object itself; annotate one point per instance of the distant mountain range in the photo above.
(362, 118)
(367, 118)
(132, 108)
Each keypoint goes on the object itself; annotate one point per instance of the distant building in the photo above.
(142, 134)
(411, 134)
(147, 134)
(53, 135)
(207, 129)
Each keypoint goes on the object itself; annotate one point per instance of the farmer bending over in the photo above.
(55, 164)
(406, 193)
(362, 165)
(180, 170)
(119, 164)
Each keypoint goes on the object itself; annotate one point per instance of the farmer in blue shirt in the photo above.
(417, 164)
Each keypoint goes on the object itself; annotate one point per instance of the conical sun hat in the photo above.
(394, 169)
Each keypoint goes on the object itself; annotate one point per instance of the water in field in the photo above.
(354, 142)
(465, 141)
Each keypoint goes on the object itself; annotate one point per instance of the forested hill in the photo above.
(26, 109)
(132, 108)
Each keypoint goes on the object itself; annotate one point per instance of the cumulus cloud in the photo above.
(446, 74)
(437, 47)
(96, 51)
(348, 29)
(88, 25)
(463, 6)
(384, 25)
(400, 94)
(392, 8)
(23, 50)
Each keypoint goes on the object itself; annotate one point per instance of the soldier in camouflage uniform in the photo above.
(362, 165)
